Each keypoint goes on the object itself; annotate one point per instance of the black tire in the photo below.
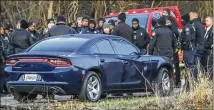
(85, 90)
(161, 88)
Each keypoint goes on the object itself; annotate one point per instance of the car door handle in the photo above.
(102, 60)
(125, 62)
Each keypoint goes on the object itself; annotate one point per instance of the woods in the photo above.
(40, 11)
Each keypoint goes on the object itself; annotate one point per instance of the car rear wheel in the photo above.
(92, 88)
(164, 84)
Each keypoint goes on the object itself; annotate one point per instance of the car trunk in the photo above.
(37, 62)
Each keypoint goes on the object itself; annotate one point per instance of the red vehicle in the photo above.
(148, 17)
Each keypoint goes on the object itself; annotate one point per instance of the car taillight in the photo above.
(11, 62)
(59, 62)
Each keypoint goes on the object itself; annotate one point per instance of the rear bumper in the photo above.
(38, 87)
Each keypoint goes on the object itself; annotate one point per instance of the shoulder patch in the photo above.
(187, 29)
(153, 34)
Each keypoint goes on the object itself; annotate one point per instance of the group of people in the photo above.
(166, 39)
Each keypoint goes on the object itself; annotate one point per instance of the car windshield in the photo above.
(62, 44)
(143, 18)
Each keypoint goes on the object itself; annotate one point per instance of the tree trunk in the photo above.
(50, 9)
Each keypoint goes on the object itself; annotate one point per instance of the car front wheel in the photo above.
(164, 84)
(92, 88)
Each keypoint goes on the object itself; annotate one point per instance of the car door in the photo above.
(112, 68)
(132, 65)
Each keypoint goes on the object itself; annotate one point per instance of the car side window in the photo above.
(155, 18)
(104, 47)
(94, 49)
(123, 47)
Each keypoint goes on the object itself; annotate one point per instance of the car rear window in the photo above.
(59, 44)
(143, 19)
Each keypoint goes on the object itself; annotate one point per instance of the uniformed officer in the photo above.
(163, 42)
(140, 36)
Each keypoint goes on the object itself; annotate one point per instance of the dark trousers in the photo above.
(177, 69)
(3, 78)
(190, 61)
(207, 62)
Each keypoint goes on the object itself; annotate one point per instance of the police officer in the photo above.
(175, 30)
(34, 34)
(163, 40)
(21, 38)
(207, 57)
(123, 29)
(60, 28)
(140, 36)
(92, 27)
(199, 39)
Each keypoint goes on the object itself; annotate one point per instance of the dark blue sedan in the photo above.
(88, 66)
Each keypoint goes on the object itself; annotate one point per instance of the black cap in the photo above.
(31, 23)
(122, 17)
(112, 22)
(135, 19)
(24, 24)
(61, 18)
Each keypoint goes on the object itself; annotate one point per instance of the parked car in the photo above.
(148, 17)
(86, 65)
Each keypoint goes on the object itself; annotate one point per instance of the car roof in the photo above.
(85, 36)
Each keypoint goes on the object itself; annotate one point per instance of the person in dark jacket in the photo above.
(34, 34)
(3, 76)
(60, 28)
(207, 57)
(21, 38)
(163, 40)
(100, 25)
(175, 30)
(140, 36)
(123, 29)
(85, 26)
(92, 27)
(50, 24)
(200, 31)
(111, 24)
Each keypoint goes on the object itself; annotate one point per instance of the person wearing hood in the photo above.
(100, 25)
(111, 23)
(106, 29)
(60, 28)
(140, 36)
(92, 27)
(34, 34)
(21, 38)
